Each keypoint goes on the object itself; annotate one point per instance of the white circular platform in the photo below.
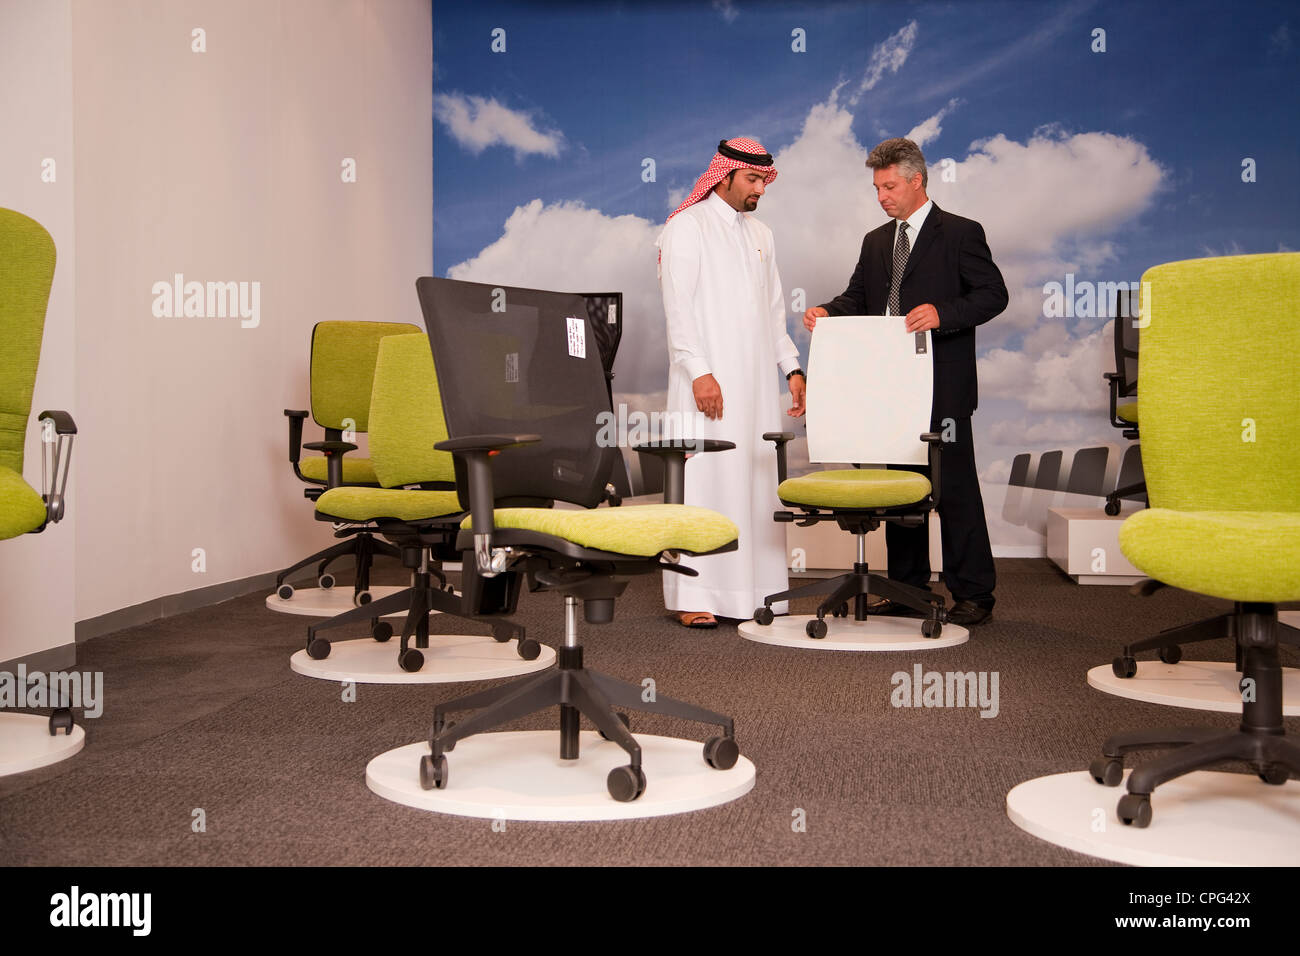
(25, 743)
(520, 776)
(448, 658)
(1289, 617)
(329, 602)
(1207, 818)
(845, 634)
(1200, 685)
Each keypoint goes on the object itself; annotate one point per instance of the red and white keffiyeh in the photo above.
(723, 164)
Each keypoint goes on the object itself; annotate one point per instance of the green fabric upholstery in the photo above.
(368, 504)
(1127, 411)
(21, 508)
(406, 415)
(343, 370)
(638, 530)
(855, 488)
(1221, 428)
(26, 274)
(358, 471)
(1235, 555)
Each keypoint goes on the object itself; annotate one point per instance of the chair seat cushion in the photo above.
(369, 504)
(640, 530)
(355, 470)
(855, 488)
(1127, 412)
(21, 508)
(1235, 555)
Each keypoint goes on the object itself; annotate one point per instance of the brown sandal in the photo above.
(697, 619)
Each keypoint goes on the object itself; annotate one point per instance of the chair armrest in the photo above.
(1113, 379)
(935, 441)
(296, 419)
(334, 452)
(673, 452)
(477, 452)
(780, 439)
(57, 433)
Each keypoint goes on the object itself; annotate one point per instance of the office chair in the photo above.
(342, 373)
(1123, 397)
(522, 389)
(1221, 425)
(27, 259)
(415, 506)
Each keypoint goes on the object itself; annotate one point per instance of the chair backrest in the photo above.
(26, 274)
(1128, 331)
(870, 388)
(1221, 383)
(343, 370)
(406, 415)
(522, 361)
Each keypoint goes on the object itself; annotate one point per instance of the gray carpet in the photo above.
(202, 712)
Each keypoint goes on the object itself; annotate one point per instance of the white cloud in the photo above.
(888, 55)
(477, 123)
(726, 9)
(930, 129)
(1065, 380)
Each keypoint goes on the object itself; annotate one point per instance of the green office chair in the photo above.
(342, 374)
(26, 274)
(526, 384)
(416, 505)
(1221, 428)
(1123, 394)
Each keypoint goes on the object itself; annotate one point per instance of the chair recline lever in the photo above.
(57, 433)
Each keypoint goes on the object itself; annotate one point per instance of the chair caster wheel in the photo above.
(1112, 508)
(61, 719)
(285, 591)
(815, 629)
(841, 611)
(410, 660)
(528, 649)
(625, 784)
(1124, 667)
(450, 589)
(931, 629)
(381, 631)
(621, 716)
(763, 616)
(433, 772)
(1272, 774)
(326, 580)
(1134, 809)
(1171, 655)
(1107, 771)
(721, 753)
(501, 634)
(362, 598)
(318, 648)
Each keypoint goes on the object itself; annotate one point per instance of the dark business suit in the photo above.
(951, 268)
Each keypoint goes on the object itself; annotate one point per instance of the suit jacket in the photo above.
(951, 268)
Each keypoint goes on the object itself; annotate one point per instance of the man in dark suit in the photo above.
(935, 270)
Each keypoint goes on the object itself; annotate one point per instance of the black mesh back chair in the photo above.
(522, 389)
(1123, 392)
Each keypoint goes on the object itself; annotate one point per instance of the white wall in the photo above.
(225, 165)
(37, 571)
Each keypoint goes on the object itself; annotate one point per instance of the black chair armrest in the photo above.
(56, 464)
(935, 441)
(296, 419)
(485, 442)
(334, 452)
(780, 439)
(477, 452)
(674, 452)
(1113, 379)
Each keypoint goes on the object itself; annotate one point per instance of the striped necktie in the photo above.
(901, 250)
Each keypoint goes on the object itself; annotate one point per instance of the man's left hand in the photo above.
(797, 388)
(923, 317)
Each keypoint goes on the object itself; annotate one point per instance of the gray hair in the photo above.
(904, 154)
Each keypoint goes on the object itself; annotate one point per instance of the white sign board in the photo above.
(870, 387)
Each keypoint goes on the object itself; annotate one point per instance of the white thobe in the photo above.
(726, 317)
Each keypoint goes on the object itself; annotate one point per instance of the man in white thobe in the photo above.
(726, 337)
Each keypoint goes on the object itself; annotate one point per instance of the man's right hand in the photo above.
(708, 396)
(812, 315)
